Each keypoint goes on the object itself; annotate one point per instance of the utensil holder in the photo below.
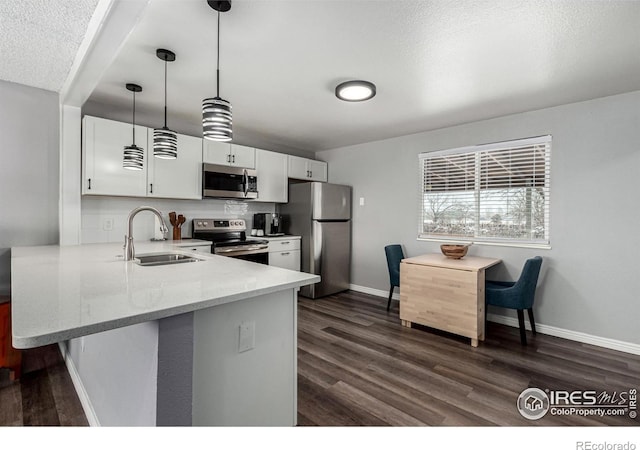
(177, 233)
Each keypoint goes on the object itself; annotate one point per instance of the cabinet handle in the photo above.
(285, 253)
(89, 184)
(284, 242)
(151, 188)
(228, 158)
(234, 159)
(311, 174)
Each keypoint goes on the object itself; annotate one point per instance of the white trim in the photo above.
(451, 240)
(92, 418)
(613, 344)
(375, 292)
(515, 143)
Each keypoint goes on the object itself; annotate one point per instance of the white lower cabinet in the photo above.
(195, 248)
(284, 252)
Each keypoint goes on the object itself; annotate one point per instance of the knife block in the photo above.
(177, 233)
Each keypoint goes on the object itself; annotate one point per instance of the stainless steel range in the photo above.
(229, 239)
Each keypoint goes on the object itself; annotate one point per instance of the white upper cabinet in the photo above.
(242, 156)
(307, 169)
(176, 178)
(226, 154)
(103, 143)
(272, 176)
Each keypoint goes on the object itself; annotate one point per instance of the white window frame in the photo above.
(476, 152)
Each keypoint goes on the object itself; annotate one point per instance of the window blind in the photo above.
(495, 192)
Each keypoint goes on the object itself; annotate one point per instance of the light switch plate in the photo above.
(361, 201)
(247, 339)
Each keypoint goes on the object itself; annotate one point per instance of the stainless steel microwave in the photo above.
(229, 182)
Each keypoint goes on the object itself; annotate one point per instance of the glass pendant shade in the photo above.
(133, 158)
(217, 119)
(216, 112)
(165, 141)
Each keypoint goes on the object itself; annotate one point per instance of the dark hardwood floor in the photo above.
(44, 395)
(358, 366)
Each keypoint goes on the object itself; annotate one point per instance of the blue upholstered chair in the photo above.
(518, 295)
(394, 256)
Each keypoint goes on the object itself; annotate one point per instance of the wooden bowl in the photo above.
(454, 251)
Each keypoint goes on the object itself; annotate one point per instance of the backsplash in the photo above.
(104, 219)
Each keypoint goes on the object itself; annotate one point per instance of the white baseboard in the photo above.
(92, 418)
(372, 291)
(627, 347)
(577, 336)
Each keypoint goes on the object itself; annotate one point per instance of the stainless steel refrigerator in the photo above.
(321, 214)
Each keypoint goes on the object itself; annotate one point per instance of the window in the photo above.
(495, 193)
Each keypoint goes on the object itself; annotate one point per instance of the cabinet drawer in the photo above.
(283, 245)
(289, 259)
(196, 248)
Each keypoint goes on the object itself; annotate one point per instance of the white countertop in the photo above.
(275, 238)
(59, 293)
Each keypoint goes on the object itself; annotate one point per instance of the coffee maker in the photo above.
(267, 224)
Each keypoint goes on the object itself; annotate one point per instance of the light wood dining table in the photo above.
(444, 293)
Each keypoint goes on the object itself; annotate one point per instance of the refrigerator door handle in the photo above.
(317, 254)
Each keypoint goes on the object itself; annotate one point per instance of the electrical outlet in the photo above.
(107, 224)
(247, 339)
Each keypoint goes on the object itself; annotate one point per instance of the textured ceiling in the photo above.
(435, 63)
(39, 39)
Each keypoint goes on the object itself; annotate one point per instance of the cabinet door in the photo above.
(242, 156)
(289, 259)
(317, 170)
(298, 168)
(176, 178)
(272, 176)
(214, 152)
(103, 143)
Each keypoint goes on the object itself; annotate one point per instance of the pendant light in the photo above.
(165, 141)
(216, 112)
(133, 155)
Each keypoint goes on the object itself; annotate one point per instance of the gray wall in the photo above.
(29, 190)
(591, 276)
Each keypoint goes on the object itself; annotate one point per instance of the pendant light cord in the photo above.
(218, 62)
(165, 93)
(133, 120)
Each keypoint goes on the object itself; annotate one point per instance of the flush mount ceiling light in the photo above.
(355, 91)
(133, 155)
(216, 112)
(165, 141)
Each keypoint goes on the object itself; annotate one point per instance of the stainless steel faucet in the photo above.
(129, 251)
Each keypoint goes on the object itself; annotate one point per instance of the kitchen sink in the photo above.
(164, 258)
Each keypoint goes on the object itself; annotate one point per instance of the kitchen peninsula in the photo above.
(211, 342)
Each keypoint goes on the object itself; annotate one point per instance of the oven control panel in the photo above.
(219, 225)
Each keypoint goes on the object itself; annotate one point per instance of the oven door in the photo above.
(258, 254)
(228, 182)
